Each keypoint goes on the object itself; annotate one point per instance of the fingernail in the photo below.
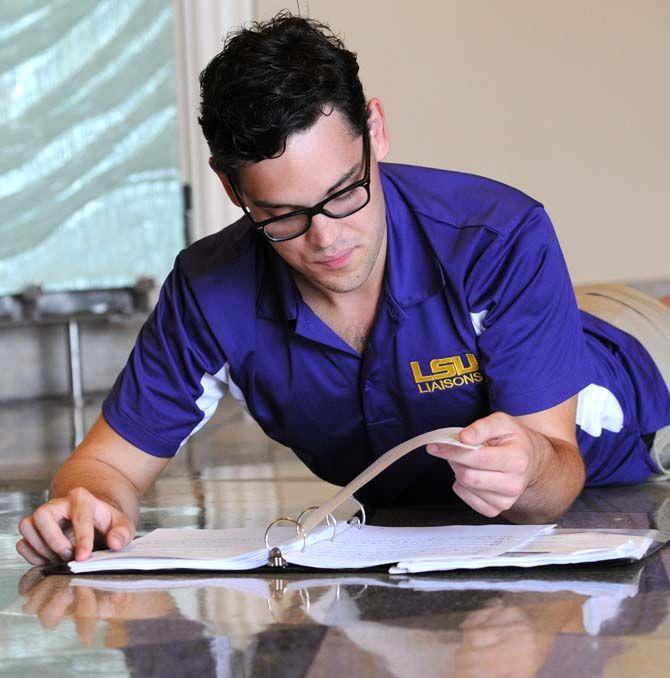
(431, 449)
(66, 555)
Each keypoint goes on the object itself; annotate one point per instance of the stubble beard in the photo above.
(358, 278)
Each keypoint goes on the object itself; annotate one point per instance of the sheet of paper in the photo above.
(233, 548)
(369, 546)
(260, 586)
(256, 586)
(546, 549)
(613, 589)
(420, 549)
(559, 542)
(179, 543)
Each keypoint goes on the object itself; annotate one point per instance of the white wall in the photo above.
(568, 101)
(199, 29)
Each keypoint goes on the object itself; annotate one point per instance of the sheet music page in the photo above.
(370, 546)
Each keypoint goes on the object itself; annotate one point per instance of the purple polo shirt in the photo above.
(477, 315)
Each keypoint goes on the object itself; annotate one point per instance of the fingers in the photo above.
(485, 458)
(30, 580)
(82, 522)
(33, 538)
(43, 536)
(88, 515)
(43, 533)
(26, 551)
(493, 477)
(489, 504)
(56, 608)
(50, 533)
(39, 596)
(93, 514)
(495, 482)
(121, 533)
(86, 619)
(482, 616)
(496, 425)
(490, 479)
(50, 600)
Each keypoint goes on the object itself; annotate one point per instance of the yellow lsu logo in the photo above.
(447, 373)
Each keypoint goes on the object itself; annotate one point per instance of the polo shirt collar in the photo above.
(279, 297)
(413, 271)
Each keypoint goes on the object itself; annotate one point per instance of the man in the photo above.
(358, 304)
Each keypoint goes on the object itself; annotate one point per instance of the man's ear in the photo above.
(225, 182)
(379, 133)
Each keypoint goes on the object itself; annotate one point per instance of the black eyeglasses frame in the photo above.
(311, 212)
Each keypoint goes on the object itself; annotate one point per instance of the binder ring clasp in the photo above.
(355, 520)
(298, 528)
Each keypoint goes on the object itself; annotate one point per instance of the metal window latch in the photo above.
(276, 559)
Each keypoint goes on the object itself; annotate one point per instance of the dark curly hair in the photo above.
(271, 80)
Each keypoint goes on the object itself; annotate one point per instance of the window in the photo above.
(90, 191)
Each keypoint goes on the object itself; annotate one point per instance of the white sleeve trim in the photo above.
(478, 321)
(214, 387)
(598, 409)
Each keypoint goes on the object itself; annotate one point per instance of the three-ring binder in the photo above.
(276, 558)
(313, 515)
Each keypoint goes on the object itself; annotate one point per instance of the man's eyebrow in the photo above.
(345, 177)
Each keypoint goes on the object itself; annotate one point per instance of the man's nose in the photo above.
(324, 231)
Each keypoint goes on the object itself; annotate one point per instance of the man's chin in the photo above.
(339, 282)
(349, 278)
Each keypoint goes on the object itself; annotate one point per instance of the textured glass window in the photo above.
(89, 180)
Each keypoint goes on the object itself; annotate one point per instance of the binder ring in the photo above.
(330, 519)
(278, 594)
(305, 599)
(298, 527)
(355, 520)
(352, 597)
(360, 593)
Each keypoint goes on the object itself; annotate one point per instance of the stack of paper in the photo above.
(407, 549)
(553, 547)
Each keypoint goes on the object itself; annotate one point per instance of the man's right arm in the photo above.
(96, 491)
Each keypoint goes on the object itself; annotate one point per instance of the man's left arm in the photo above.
(529, 469)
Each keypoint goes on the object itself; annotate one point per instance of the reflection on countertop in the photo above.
(577, 621)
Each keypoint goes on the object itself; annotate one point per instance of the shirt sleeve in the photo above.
(533, 352)
(174, 377)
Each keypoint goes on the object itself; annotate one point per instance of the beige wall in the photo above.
(569, 101)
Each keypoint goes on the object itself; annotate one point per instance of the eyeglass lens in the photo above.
(339, 206)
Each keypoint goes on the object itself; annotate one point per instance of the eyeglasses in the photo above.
(340, 204)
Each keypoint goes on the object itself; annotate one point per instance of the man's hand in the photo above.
(68, 525)
(95, 498)
(53, 599)
(492, 478)
(503, 640)
(529, 466)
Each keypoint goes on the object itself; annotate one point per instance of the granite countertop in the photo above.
(609, 620)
